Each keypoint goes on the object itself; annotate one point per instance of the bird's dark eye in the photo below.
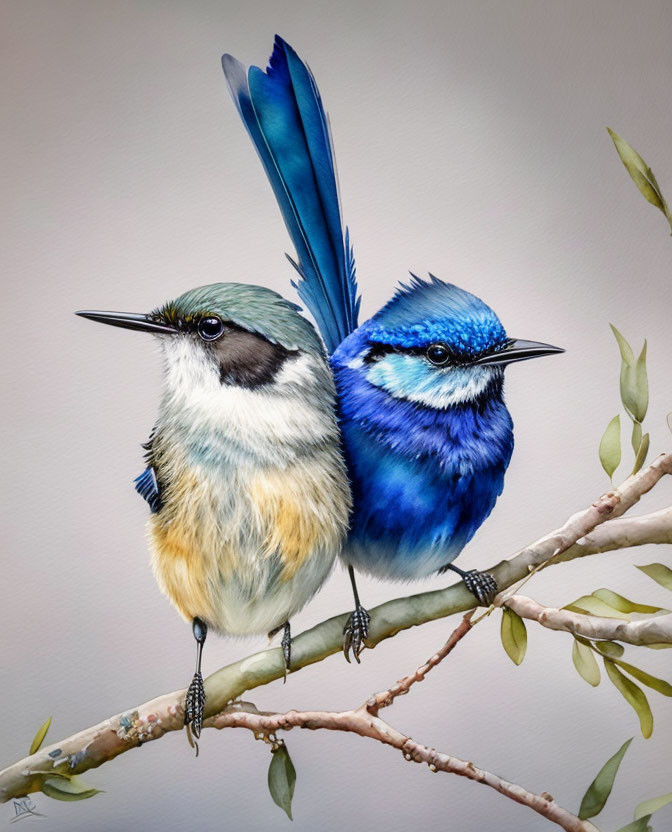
(438, 354)
(210, 328)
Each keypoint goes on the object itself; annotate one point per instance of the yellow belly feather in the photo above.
(290, 511)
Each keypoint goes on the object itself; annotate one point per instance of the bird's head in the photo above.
(438, 345)
(229, 334)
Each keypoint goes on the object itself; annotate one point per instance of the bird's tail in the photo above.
(283, 113)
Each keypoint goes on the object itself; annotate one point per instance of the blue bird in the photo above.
(427, 436)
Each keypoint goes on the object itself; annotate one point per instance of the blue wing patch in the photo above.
(148, 488)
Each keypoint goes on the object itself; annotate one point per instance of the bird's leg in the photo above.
(195, 701)
(286, 644)
(357, 626)
(480, 584)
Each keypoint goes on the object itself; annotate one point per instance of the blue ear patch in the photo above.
(148, 488)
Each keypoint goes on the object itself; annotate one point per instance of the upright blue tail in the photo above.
(283, 114)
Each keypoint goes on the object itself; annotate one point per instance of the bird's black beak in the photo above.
(129, 320)
(517, 350)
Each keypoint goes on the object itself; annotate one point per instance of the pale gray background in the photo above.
(470, 140)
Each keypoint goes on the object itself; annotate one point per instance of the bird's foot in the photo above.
(355, 632)
(194, 705)
(482, 585)
(286, 645)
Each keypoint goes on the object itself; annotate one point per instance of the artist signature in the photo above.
(24, 808)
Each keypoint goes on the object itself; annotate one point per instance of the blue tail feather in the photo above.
(284, 116)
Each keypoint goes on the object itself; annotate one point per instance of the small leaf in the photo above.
(633, 695)
(634, 382)
(610, 446)
(642, 384)
(660, 573)
(585, 663)
(639, 825)
(39, 737)
(646, 678)
(282, 779)
(591, 605)
(72, 788)
(514, 635)
(640, 172)
(610, 649)
(622, 604)
(648, 807)
(640, 459)
(657, 646)
(599, 790)
(636, 436)
(627, 355)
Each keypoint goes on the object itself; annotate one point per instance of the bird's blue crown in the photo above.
(430, 311)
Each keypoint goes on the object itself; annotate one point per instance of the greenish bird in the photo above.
(245, 478)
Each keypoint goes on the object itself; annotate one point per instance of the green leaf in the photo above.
(633, 695)
(640, 172)
(640, 459)
(657, 646)
(38, 739)
(585, 663)
(282, 779)
(634, 381)
(610, 649)
(646, 678)
(622, 604)
(648, 807)
(71, 788)
(599, 790)
(590, 605)
(642, 383)
(639, 825)
(514, 635)
(660, 573)
(636, 436)
(627, 355)
(610, 446)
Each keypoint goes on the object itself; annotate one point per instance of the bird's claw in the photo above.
(482, 585)
(355, 632)
(286, 645)
(194, 705)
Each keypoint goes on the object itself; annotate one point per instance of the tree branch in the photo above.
(96, 745)
(366, 724)
(655, 630)
(365, 721)
(623, 533)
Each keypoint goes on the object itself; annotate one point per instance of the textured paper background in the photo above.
(470, 140)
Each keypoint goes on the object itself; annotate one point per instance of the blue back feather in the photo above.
(284, 116)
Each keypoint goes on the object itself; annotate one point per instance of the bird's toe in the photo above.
(482, 585)
(355, 633)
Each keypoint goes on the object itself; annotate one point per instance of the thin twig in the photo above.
(385, 698)
(365, 724)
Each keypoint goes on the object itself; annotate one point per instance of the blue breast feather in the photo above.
(423, 479)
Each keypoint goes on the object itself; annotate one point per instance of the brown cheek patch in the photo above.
(249, 360)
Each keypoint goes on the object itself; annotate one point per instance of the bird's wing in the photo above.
(283, 113)
(148, 488)
(147, 484)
